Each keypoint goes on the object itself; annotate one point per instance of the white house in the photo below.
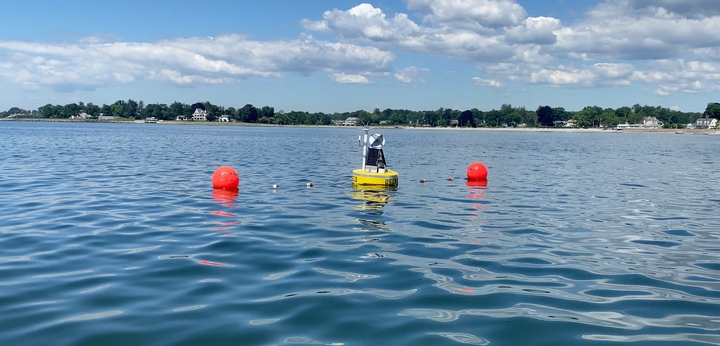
(651, 123)
(350, 121)
(648, 123)
(224, 118)
(81, 115)
(706, 123)
(199, 115)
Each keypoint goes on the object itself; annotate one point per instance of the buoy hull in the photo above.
(389, 178)
(225, 178)
(477, 171)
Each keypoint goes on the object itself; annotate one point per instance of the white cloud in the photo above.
(207, 60)
(601, 74)
(364, 23)
(487, 82)
(474, 14)
(616, 29)
(680, 76)
(695, 8)
(537, 30)
(412, 75)
(349, 78)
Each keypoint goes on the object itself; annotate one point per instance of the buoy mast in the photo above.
(374, 172)
(365, 147)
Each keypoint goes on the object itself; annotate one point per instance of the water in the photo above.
(110, 234)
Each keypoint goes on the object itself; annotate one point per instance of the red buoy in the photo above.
(224, 178)
(477, 171)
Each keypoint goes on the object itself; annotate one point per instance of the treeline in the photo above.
(507, 115)
(132, 109)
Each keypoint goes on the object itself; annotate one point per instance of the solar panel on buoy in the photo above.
(372, 157)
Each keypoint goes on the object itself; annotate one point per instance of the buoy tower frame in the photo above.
(374, 169)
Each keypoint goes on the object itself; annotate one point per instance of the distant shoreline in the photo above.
(532, 129)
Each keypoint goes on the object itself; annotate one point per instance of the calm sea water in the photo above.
(111, 234)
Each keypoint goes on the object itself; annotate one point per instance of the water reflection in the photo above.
(476, 189)
(226, 197)
(374, 199)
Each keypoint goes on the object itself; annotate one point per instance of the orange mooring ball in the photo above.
(225, 178)
(477, 171)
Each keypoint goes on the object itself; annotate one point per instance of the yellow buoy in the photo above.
(374, 170)
(388, 178)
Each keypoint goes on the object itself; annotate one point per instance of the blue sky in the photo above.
(336, 56)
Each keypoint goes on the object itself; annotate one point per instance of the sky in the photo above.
(341, 55)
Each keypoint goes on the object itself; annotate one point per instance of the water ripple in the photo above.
(379, 293)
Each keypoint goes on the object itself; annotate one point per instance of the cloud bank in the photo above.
(671, 45)
(209, 60)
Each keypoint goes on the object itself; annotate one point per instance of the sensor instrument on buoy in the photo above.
(374, 169)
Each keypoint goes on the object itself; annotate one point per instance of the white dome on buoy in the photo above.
(376, 141)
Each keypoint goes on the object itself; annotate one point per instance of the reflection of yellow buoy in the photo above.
(374, 170)
(375, 196)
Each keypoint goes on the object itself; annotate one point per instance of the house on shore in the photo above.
(570, 123)
(652, 123)
(224, 119)
(81, 115)
(648, 123)
(199, 115)
(705, 123)
(350, 121)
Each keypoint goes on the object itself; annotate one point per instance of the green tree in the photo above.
(466, 119)
(196, 106)
(545, 115)
(13, 110)
(177, 109)
(249, 113)
(213, 112)
(120, 109)
(132, 109)
(712, 110)
(588, 116)
(157, 110)
(608, 118)
(623, 113)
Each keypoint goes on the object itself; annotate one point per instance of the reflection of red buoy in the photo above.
(225, 177)
(476, 183)
(222, 213)
(477, 171)
(225, 195)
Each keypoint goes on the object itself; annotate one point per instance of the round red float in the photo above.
(477, 171)
(225, 178)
